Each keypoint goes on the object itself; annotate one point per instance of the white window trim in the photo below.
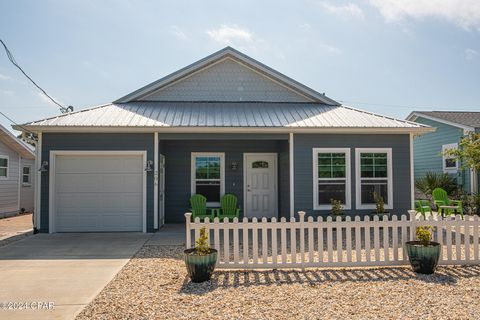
(348, 183)
(358, 186)
(27, 184)
(222, 173)
(449, 169)
(8, 165)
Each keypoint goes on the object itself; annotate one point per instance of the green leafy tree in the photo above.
(468, 151)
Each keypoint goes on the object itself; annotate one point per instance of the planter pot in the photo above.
(200, 267)
(379, 215)
(423, 258)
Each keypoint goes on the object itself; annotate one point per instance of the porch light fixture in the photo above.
(148, 166)
(234, 166)
(43, 166)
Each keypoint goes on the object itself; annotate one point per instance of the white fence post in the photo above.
(413, 223)
(188, 242)
(301, 215)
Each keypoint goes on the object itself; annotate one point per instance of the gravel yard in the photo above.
(154, 285)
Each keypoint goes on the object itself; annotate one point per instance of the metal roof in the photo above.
(222, 114)
(24, 149)
(464, 118)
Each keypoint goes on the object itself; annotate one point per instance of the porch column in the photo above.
(155, 180)
(38, 183)
(290, 149)
(412, 172)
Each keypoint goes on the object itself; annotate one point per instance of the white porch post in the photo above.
(38, 183)
(412, 172)
(292, 200)
(155, 180)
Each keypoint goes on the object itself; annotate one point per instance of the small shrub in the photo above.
(379, 203)
(201, 245)
(336, 207)
(424, 234)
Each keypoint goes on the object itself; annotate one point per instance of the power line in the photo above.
(10, 119)
(12, 60)
(401, 106)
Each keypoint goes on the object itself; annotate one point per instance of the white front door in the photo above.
(260, 185)
(161, 190)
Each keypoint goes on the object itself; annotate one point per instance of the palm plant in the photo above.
(432, 180)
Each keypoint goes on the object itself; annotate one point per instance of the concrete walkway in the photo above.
(66, 270)
(16, 227)
(169, 235)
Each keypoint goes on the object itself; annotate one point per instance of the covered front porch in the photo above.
(253, 167)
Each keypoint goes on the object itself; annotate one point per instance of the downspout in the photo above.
(412, 173)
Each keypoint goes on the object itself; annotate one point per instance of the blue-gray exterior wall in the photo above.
(428, 149)
(303, 167)
(95, 141)
(178, 168)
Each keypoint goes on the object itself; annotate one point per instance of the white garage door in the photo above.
(98, 193)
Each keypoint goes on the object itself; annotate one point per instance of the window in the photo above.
(373, 175)
(3, 167)
(208, 171)
(260, 164)
(450, 164)
(26, 180)
(331, 177)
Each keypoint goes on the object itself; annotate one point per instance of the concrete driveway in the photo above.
(60, 271)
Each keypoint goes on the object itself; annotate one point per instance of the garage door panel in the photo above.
(106, 183)
(108, 164)
(99, 193)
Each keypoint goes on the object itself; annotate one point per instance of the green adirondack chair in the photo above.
(440, 198)
(228, 208)
(423, 206)
(199, 208)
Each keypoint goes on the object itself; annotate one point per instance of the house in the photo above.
(428, 149)
(16, 175)
(224, 124)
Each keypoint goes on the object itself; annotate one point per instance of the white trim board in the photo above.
(222, 173)
(348, 177)
(155, 180)
(51, 188)
(245, 154)
(358, 189)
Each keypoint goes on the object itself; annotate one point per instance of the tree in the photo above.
(468, 151)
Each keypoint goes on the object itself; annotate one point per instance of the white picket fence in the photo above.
(253, 244)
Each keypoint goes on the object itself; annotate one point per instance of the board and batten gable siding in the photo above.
(178, 169)
(96, 142)
(27, 190)
(303, 169)
(226, 80)
(9, 187)
(428, 148)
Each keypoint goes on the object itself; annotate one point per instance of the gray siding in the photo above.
(27, 190)
(303, 144)
(178, 175)
(9, 186)
(226, 81)
(96, 141)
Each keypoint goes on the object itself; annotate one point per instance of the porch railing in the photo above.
(317, 242)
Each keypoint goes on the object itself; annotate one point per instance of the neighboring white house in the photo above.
(17, 161)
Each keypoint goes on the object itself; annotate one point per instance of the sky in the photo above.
(385, 56)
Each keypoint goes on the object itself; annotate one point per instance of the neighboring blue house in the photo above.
(450, 126)
(224, 124)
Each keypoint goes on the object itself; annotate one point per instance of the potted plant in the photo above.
(424, 253)
(201, 259)
(337, 209)
(379, 207)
